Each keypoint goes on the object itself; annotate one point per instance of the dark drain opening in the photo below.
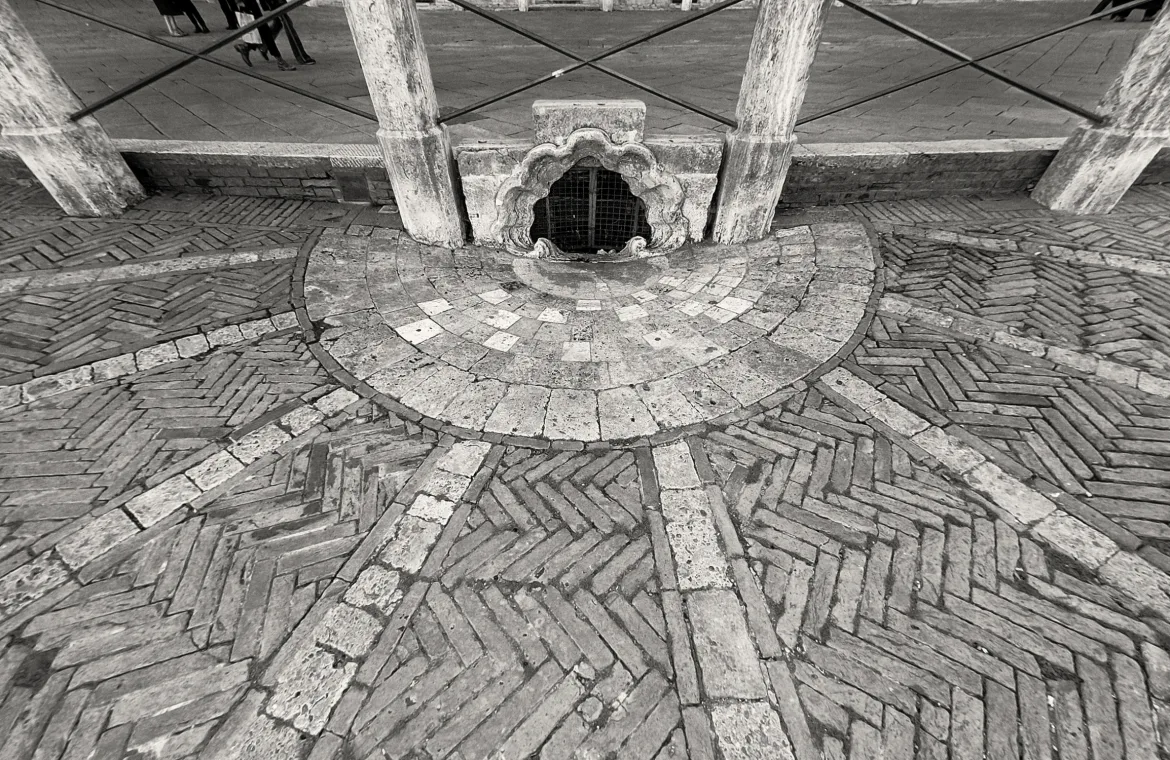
(588, 209)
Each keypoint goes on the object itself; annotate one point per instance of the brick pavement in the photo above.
(947, 541)
(471, 59)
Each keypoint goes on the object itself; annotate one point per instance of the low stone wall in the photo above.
(821, 173)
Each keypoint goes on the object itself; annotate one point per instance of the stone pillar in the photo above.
(75, 161)
(758, 152)
(415, 146)
(1099, 163)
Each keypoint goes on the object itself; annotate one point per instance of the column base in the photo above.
(750, 183)
(421, 172)
(79, 166)
(1094, 170)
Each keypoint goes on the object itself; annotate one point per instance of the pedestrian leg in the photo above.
(294, 42)
(229, 13)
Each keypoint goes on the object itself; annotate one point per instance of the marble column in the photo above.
(75, 161)
(415, 146)
(1099, 163)
(758, 152)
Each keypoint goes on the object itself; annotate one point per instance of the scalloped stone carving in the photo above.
(660, 190)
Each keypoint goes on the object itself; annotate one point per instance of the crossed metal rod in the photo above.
(191, 57)
(964, 64)
(973, 62)
(592, 61)
(202, 57)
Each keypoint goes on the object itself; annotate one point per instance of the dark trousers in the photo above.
(267, 33)
(229, 13)
(290, 32)
(192, 13)
(1149, 10)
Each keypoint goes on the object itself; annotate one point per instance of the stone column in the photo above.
(415, 146)
(75, 161)
(1099, 163)
(758, 152)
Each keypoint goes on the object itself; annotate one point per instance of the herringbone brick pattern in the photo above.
(545, 629)
(1120, 315)
(170, 636)
(1105, 443)
(917, 623)
(39, 329)
(64, 455)
(76, 242)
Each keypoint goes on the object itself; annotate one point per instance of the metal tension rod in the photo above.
(222, 64)
(592, 61)
(969, 61)
(965, 64)
(189, 58)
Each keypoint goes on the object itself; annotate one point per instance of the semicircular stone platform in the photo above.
(493, 343)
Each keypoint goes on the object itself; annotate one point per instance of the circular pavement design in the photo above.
(499, 345)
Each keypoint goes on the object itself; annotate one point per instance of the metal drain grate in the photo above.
(589, 209)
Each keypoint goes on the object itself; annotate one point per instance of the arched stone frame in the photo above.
(659, 190)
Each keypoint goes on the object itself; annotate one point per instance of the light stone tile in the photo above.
(735, 305)
(676, 467)
(376, 587)
(436, 306)
(669, 407)
(853, 388)
(96, 538)
(30, 582)
(727, 657)
(642, 296)
(572, 415)
(554, 316)
(1071, 537)
(149, 358)
(1021, 502)
(413, 540)
(630, 313)
(690, 528)
(258, 443)
(898, 417)
(348, 630)
(576, 351)
(501, 341)
(692, 308)
(435, 509)
(589, 304)
(309, 688)
(464, 458)
(501, 320)
(623, 415)
(417, 332)
(214, 470)
(949, 450)
(475, 405)
(495, 297)
(719, 314)
(659, 339)
(158, 502)
(750, 731)
(520, 412)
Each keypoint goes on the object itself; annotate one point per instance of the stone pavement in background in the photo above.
(471, 59)
(948, 540)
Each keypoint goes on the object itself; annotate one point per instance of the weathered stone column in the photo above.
(758, 152)
(1099, 163)
(415, 146)
(75, 161)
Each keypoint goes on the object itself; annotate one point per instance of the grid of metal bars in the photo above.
(589, 209)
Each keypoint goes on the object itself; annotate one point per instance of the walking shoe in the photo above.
(284, 65)
(243, 49)
(306, 61)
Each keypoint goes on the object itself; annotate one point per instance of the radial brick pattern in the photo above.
(945, 538)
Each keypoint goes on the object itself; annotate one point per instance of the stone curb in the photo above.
(1057, 252)
(1028, 509)
(74, 277)
(987, 331)
(152, 357)
(828, 350)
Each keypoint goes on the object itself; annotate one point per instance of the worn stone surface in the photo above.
(799, 579)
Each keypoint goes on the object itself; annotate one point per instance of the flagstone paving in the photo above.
(943, 538)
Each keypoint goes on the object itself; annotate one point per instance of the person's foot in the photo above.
(263, 52)
(243, 49)
(306, 61)
(284, 65)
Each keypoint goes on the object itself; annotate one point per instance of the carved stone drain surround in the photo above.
(516, 348)
(675, 177)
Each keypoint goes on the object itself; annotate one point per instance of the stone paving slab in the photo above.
(949, 544)
(470, 59)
